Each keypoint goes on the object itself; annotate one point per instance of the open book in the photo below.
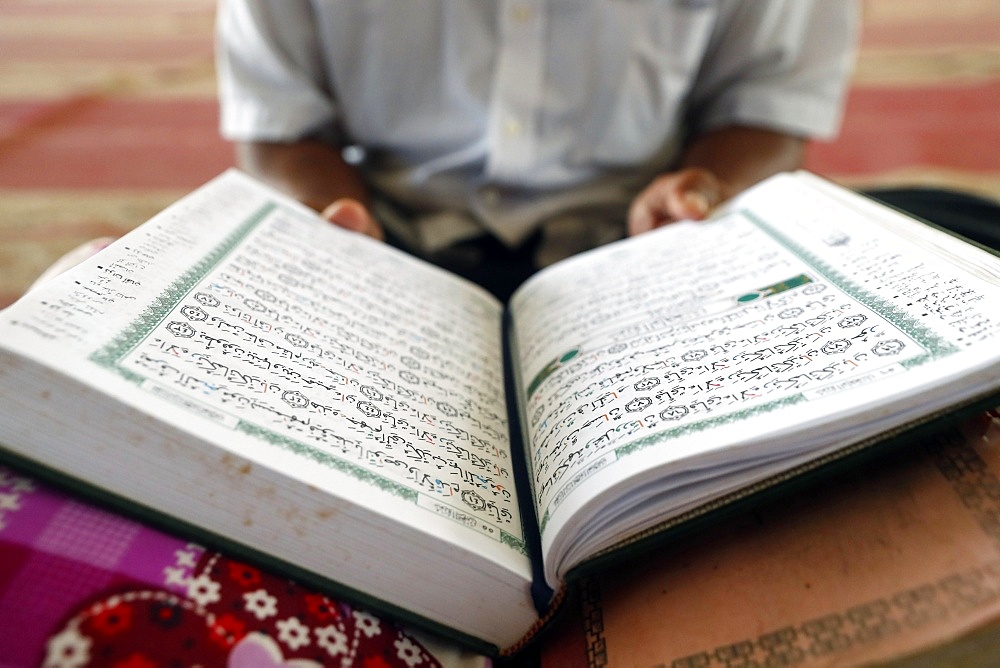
(265, 380)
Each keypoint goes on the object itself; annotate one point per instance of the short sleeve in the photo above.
(271, 81)
(780, 64)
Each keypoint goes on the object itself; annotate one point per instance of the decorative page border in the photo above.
(935, 346)
(326, 459)
(159, 308)
(902, 320)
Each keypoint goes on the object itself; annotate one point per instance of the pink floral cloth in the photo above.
(80, 586)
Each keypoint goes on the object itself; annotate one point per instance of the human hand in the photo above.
(353, 215)
(689, 193)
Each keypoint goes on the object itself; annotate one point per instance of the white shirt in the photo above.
(507, 114)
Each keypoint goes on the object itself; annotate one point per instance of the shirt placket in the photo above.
(517, 90)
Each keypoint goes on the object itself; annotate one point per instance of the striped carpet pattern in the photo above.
(107, 113)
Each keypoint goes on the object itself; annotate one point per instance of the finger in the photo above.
(688, 194)
(695, 193)
(653, 206)
(641, 216)
(353, 215)
(694, 204)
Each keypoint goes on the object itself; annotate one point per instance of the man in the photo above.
(496, 136)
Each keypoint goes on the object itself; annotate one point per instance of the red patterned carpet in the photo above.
(107, 113)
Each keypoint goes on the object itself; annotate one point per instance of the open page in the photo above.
(670, 369)
(307, 351)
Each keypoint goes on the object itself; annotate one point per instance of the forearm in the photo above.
(311, 171)
(741, 156)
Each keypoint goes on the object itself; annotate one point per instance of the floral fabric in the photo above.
(80, 586)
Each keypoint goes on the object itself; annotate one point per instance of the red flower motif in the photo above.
(321, 607)
(135, 661)
(113, 619)
(227, 631)
(165, 615)
(245, 576)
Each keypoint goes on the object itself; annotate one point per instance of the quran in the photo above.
(241, 370)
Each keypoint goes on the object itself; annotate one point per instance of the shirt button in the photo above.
(513, 127)
(523, 13)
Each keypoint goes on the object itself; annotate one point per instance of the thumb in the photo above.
(353, 215)
(698, 192)
(688, 194)
(696, 204)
